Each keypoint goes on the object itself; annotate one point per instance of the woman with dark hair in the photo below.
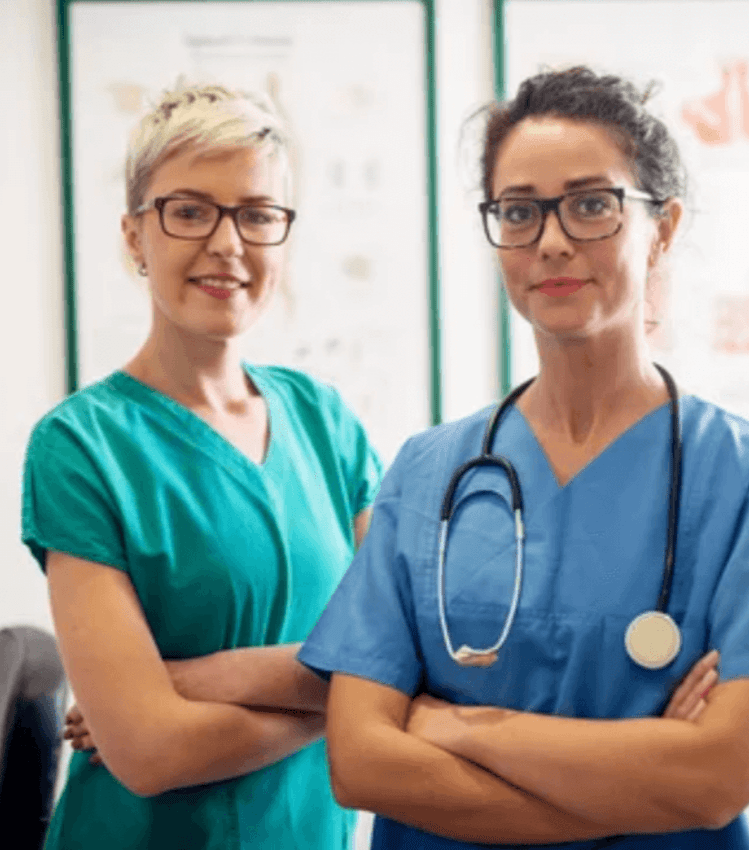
(538, 577)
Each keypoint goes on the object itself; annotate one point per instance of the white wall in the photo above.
(32, 347)
(32, 344)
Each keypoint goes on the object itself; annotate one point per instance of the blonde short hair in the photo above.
(203, 117)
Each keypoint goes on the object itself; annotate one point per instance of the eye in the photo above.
(190, 211)
(259, 216)
(593, 204)
(517, 213)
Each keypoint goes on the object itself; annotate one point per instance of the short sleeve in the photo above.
(67, 504)
(361, 463)
(368, 628)
(729, 607)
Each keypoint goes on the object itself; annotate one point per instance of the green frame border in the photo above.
(504, 366)
(66, 177)
(66, 137)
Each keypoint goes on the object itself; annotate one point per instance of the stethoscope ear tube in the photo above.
(481, 460)
(491, 428)
(675, 491)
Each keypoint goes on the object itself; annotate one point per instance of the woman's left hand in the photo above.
(77, 732)
(689, 699)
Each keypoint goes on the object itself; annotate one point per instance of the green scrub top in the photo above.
(223, 553)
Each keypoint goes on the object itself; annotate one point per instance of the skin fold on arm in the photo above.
(401, 768)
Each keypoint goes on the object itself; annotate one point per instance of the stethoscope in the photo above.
(652, 639)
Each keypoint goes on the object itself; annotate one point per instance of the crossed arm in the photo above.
(674, 775)
(490, 775)
(161, 725)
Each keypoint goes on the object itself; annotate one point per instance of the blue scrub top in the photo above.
(222, 553)
(594, 555)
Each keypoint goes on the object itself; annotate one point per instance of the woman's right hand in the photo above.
(688, 700)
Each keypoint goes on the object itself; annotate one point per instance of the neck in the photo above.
(586, 385)
(196, 371)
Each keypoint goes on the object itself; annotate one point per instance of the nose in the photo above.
(225, 240)
(553, 241)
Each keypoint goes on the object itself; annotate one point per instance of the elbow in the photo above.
(143, 787)
(347, 770)
(344, 786)
(723, 794)
(145, 772)
(719, 813)
(149, 778)
(723, 806)
(344, 796)
(141, 777)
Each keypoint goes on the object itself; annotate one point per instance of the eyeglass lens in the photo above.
(589, 215)
(196, 219)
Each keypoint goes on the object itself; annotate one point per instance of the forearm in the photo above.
(645, 775)
(392, 773)
(207, 742)
(263, 676)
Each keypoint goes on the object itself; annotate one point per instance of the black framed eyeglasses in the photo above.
(585, 215)
(198, 218)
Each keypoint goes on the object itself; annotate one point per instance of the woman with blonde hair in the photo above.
(193, 513)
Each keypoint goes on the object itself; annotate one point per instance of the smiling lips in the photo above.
(560, 286)
(220, 287)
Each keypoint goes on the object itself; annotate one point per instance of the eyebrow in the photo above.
(570, 185)
(249, 199)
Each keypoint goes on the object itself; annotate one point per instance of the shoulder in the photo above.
(81, 415)
(297, 388)
(428, 459)
(451, 440)
(312, 405)
(713, 433)
(715, 459)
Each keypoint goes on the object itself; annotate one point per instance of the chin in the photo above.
(224, 334)
(565, 332)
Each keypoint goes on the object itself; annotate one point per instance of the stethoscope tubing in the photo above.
(514, 602)
(487, 458)
(674, 492)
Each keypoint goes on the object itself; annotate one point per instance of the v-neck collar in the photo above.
(608, 449)
(197, 430)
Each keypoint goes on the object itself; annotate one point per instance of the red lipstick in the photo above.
(560, 286)
(221, 294)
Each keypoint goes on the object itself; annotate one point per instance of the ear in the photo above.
(667, 224)
(131, 233)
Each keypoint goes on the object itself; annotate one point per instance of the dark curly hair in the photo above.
(610, 101)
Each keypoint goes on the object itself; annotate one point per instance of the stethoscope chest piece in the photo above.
(468, 657)
(653, 640)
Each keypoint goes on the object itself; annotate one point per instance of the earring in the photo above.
(142, 270)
